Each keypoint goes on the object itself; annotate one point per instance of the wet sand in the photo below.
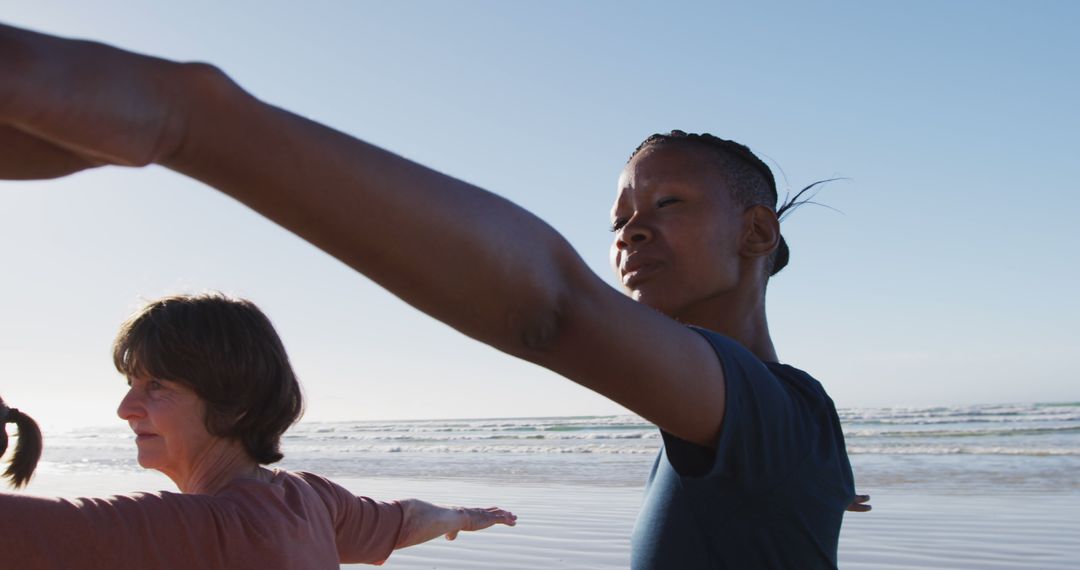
(588, 526)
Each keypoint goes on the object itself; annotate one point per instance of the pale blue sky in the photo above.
(949, 277)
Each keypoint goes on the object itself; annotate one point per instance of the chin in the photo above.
(652, 301)
(147, 461)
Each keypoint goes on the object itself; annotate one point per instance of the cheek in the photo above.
(715, 262)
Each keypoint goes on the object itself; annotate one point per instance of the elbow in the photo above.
(198, 95)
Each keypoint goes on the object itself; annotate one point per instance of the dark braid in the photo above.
(746, 171)
(27, 450)
(728, 147)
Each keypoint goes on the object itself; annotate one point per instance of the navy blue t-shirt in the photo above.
(773, 493)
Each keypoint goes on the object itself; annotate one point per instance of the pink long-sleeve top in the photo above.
(297, 520)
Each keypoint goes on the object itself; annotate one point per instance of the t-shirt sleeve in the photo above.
(144, 530)
(768, 427)
(367, 530)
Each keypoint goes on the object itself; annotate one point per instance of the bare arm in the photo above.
(463, 255)
(424, 521)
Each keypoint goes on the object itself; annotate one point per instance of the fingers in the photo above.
(479, 518)
(499, 516)
(860, 504)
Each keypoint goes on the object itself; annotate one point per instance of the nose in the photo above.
(130, 406)
(632, 233)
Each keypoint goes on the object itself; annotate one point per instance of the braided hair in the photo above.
(752, 181)
(27, 450)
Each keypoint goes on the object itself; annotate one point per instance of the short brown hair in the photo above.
(228, 353)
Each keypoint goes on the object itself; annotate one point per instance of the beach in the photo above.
(953, 488)
(587, 527)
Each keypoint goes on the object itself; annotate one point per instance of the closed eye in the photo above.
(617, 224)
(667, 201)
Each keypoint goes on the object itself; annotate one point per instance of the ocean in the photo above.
(954, 488)
(956, 449)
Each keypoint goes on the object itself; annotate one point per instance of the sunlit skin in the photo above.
(170, 433)
(685, 248)
(380, 214)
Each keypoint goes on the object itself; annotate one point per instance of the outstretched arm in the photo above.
(463, 255)
(424, 521)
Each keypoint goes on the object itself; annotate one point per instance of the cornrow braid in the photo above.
(730, 147)
(27, 450)
(747, 172)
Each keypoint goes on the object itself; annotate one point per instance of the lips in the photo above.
(637, 269)
(144, 435)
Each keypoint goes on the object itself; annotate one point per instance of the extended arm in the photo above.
(162, 530)
(463, 255)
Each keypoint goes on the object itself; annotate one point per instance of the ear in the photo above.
(761, 232)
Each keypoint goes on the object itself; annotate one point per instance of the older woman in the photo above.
(211, 392)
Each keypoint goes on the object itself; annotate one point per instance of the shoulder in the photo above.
(309, 479)
(331, 494)
(736, 360)
(751, 385)
(773, 413)
(279, 478)
(802, 386)
(766, 383)
(284, 490)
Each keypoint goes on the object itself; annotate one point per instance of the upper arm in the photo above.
(641, 359)
(366, 530)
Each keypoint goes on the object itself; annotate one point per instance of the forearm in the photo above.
(466, 256)
(424, 521)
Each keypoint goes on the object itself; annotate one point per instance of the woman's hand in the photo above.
(479, 519)
(860, 504)
(425, 521)
(68, 105)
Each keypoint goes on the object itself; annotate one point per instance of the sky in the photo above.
(946, 277)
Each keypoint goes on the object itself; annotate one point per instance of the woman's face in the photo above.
(677, 231)
(167, 418)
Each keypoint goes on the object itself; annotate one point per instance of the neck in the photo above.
(219, 465)
(738, 314)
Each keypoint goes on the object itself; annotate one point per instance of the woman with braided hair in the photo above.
(753, 472)
(28, 448)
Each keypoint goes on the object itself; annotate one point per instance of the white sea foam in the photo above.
(1041, 440)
